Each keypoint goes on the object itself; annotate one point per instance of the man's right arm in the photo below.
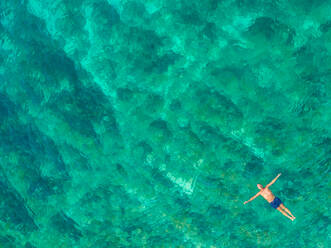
(253, 197)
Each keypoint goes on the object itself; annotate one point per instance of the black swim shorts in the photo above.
(275, 203)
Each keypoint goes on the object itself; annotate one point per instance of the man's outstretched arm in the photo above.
(253, 197)
(274, 180)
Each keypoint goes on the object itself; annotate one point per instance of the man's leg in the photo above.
(286, 209)
(284, 213)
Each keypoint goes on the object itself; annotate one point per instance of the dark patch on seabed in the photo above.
(149, 123)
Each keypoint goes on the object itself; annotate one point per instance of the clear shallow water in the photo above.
(149, 123)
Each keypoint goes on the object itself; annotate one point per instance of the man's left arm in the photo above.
(274, 180)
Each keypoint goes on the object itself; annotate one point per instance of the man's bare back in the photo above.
(275, 202)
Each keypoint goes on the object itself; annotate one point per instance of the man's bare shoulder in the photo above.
(265, 190)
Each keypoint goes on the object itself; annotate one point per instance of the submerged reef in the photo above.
(131, 123)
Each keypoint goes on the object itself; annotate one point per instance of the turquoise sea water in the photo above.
(148, 123)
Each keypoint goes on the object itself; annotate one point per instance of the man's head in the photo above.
(259, 186)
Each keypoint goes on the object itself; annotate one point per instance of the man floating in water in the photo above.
(275, 202)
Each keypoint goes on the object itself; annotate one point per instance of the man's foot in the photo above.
(292, 218)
